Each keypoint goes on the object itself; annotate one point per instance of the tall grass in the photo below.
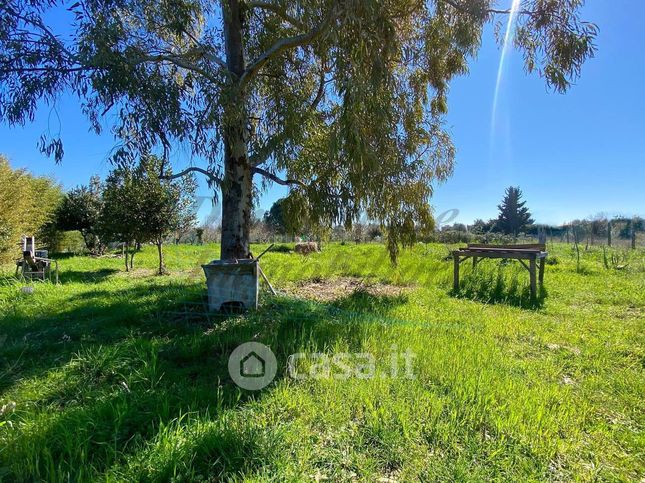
(103, 378)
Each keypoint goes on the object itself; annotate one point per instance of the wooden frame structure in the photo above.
(533, 253)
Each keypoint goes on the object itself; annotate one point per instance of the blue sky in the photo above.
(573, 155)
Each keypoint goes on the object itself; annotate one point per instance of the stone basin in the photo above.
(232, 285)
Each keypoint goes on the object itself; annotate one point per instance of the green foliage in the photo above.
(80, 211)
(514, 216)
(636, 224)
(113, 376)
(275, 217)
(347, 97)
(143, 205)
(27, 207)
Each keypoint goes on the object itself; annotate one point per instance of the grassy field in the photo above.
(122, 376)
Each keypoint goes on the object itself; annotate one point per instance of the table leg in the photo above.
(456, 273)
(542, 263)
(533, 278)
(474, 262)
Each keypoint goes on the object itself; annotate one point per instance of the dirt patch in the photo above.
(328, 290)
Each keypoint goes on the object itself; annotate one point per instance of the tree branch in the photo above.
(288, 43)
(273, 177)
(321, 91)
(211, 177)
(279, 11)
(464, 8)
(179, 61)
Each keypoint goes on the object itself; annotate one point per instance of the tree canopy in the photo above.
(342, 100)
(140, 206)
(80, 210)
(275, 217)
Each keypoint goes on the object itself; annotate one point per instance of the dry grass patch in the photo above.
(329, 290)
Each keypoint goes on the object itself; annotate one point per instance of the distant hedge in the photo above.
(27, 207)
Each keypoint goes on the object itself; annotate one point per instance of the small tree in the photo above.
(187, 213)
(80, 210)
(513, 215)
(199, 235)
(164, 204)
(274, 218)
(120, 216)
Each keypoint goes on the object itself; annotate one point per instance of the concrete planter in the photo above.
(232, 285)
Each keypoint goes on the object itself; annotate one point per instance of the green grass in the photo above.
(120, 377)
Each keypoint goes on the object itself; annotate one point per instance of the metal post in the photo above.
(533, 278)
(456, 272)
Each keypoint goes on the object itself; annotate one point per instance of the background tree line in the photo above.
(134, 205)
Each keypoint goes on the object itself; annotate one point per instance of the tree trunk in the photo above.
(237, 186)
(162, 268)
(125, 252)
(132, 258)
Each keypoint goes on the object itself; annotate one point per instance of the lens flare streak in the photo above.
(508, 36)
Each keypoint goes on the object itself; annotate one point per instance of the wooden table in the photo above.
(533, 253)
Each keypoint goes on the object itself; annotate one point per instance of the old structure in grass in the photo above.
(342, 100)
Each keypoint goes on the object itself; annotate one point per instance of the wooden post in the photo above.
(456, 272)
(533, 278)
(541, 277)
(609, 233)
(633, 230)
(474, 262)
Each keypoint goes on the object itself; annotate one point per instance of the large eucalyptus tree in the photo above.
(344, 98)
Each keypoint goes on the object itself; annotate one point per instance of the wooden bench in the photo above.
(534, 253)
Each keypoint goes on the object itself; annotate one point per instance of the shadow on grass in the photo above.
(110, 372)
(94, 276)
(500, 283)
(364, 301)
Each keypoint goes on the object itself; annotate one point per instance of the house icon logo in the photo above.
(252, 366)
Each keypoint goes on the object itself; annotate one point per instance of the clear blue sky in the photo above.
(573, 155)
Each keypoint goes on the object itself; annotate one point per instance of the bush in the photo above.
(27, 204)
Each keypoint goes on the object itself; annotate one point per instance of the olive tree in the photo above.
(342, 100)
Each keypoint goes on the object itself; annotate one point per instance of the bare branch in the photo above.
(211, 177)
(280, 181)
(288, 43)
(279, 11)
